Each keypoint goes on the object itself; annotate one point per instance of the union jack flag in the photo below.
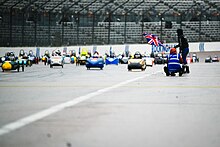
(152, 39)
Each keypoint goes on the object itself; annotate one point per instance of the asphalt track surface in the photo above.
(75, 107)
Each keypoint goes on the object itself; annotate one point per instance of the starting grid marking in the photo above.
(128, 86)
(54, 109)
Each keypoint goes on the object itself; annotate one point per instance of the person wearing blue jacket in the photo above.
(174, 62)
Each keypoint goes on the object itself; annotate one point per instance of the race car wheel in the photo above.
(18, 69)
(101, 68)
(22, 68)
(180, 73)
(187, 69)
(129, 69)
(24, 64)
(29, 63)
(88, 68)
(62, 66)
(51, 66)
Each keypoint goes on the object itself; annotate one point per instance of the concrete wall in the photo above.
(118, 49)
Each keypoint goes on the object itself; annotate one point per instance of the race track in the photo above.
(75, 107)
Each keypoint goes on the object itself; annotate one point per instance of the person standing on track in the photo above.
(183, 48)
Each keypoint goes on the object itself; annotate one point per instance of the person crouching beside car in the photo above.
(174, 62)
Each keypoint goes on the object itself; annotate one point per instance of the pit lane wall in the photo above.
(118, 49)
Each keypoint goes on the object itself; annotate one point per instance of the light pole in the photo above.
(125, 27)
(161, 25)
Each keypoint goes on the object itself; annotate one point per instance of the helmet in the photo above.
(137, 55)
(58, 52)
(179, 32)
(12, 54)
(31, 52)
(21, 52)
(7, 54)
(173, 51)
(46, 52)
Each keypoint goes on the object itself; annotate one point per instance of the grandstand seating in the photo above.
(200, 21)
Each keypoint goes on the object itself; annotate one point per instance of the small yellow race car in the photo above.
(81, 60)
(11, 65)
(10, 62)
(137, 62)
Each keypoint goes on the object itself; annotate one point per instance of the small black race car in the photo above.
(208, 59)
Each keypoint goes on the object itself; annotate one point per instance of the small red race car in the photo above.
(189, 59)
(215, 59)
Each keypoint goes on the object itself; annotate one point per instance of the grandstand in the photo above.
(89, 22)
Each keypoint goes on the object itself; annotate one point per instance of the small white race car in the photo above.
(56, 61)
(149, 60)
(67, 59)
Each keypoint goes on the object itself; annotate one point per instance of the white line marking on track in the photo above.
(42, 114)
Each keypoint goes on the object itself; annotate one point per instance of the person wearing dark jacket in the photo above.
(183, 48)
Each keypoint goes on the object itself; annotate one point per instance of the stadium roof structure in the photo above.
(85, 6)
